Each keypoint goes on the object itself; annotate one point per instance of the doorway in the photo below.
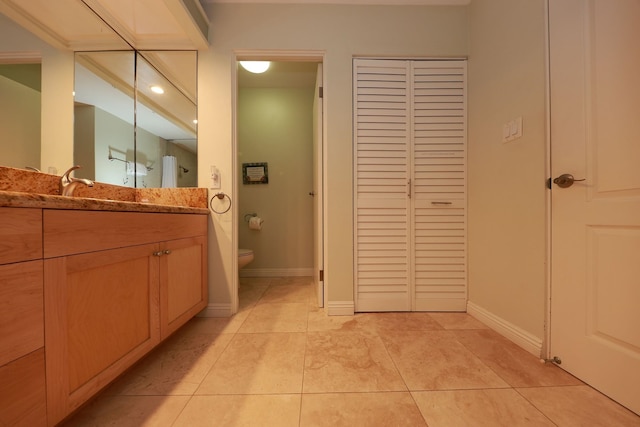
(278, 180)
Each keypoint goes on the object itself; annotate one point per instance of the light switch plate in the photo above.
(512, 130)
(506, 132)
(215, 178)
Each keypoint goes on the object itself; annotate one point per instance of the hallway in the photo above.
(282, 362)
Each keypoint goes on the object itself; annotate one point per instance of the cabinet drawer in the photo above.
(20, 234)
(23, 392)
(21, 316)
(69, 232)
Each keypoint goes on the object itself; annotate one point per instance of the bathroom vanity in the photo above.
(87, 288)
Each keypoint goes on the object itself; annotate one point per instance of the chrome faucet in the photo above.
(68, 184)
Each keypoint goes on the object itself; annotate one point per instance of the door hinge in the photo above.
(320, 92)
(321, 276)
(554, 359)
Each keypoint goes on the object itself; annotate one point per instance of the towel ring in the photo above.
(220, 196)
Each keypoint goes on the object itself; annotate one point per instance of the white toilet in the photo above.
(245, 256)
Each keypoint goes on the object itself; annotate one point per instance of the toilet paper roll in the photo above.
(255, 223)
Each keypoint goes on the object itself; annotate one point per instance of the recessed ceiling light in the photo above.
(156, 89)
(255, 66)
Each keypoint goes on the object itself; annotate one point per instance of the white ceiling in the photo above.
(363, 2)
(280, 74)
(92, 90)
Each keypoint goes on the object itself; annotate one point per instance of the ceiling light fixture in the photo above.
(156, 89)
(255, 66)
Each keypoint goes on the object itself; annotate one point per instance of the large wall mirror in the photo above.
(135, 119)
(124, 132)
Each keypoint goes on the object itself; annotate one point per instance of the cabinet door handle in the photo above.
(166, 252)
(159, 253)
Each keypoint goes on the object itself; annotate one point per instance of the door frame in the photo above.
(545, 352)
(272, 55)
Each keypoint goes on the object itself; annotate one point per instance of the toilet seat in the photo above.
(245, 256)
(244, 252)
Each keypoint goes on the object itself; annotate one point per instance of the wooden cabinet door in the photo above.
(101, 315)
(21, 313)
(183, 282)
(22, 391)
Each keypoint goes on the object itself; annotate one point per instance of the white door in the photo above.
(595, 135)
(382, 178)
(410, 185)
(317, 193)
(438, 185)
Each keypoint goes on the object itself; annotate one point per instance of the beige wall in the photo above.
(507, 229)
(275, 126)
(341, 32)
(84, 135)
(57, 110)
(20, 124)
(185, 158)
(56, 128)
(113, 133)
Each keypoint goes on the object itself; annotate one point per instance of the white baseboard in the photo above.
(275, 272)
(522, 338)
(340, 308)
(216, 310)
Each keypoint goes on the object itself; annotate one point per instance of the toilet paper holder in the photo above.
(248, 216)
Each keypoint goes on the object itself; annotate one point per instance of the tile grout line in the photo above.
(304, 363)
(535, 406)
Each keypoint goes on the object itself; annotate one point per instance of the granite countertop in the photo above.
(27, 189)
(34, 200)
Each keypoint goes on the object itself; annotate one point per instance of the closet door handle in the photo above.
(441, 203)
(409, 188)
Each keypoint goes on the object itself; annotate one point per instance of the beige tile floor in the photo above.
(282, 362)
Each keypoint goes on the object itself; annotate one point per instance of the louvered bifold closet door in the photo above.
(439, 185)
(381, 178)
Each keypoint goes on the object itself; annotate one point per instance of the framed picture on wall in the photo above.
(255, 173)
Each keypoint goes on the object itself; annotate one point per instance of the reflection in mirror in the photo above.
(166, 125)
(20, 115)
(104, 116)
(124, 135)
